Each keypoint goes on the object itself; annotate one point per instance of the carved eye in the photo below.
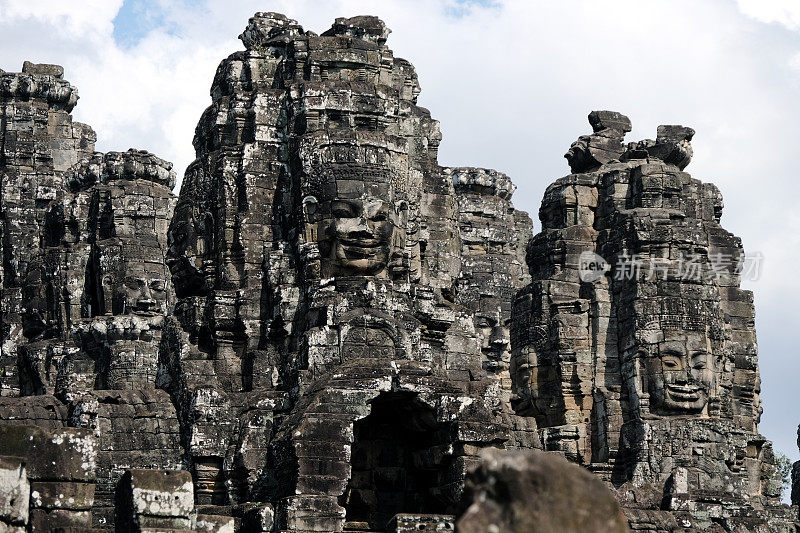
(157, 285)
(378, 217)
(134, 284)
(341, 212)
(699, 361)
(670, 362)
(343, 209)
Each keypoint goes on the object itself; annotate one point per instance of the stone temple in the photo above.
(325, 329)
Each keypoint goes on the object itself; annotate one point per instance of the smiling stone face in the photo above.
(137, 289)
(129, 286)
(144, 292)
(680, 373)
(355, 218)
(354, 198)
(358, 235)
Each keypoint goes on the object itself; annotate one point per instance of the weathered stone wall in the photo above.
(38, 143)
(85, 293)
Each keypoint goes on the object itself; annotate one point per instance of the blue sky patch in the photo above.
(137, 18)
(462, 8)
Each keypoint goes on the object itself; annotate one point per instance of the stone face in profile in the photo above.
(186, 241)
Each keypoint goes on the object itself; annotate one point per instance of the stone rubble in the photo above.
(326, 328)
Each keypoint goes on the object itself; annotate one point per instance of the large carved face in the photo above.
(131, 286)
(525, 374)
(186, 241)
(680, 372)
(356, 236)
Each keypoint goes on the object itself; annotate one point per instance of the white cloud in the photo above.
(785, 12)
(92, 20)
(512, 86)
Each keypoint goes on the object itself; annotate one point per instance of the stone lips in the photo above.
(325, 328)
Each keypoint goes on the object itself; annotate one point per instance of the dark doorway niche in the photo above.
(209, 481)
(398, 460)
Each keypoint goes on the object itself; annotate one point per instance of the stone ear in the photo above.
(402, 212)
(640, 376)
(310, 208)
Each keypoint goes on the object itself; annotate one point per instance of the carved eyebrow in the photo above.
(342, 205)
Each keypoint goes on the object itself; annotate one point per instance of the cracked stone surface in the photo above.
(324, 328)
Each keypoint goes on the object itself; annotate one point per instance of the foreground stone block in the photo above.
(60, 467)
(14, 492)
(67, 454)
(522, 491)
(148, 499)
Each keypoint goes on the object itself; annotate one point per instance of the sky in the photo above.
(512, 82)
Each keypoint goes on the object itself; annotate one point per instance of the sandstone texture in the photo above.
(531, 490)
(326, 330)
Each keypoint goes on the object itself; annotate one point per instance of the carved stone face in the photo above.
(356, 236)
(186, 240)
(525, 374)
(135, 288)
(680, 373)
(578, 154)
(494, 339)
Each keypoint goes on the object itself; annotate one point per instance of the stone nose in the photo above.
(498, 337)
(360, 229)
(145, 300)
